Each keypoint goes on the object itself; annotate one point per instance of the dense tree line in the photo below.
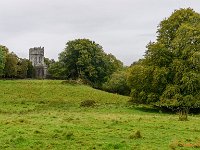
(82, 59)
(169, 74)
(11, 66)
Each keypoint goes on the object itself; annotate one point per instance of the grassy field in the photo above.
(45, 114)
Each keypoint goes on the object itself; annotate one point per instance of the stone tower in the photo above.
(36, 56)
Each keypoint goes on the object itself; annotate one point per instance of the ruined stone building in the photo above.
(36, 56)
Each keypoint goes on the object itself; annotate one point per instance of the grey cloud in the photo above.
(122, 27)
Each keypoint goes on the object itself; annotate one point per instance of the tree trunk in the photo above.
(183, 114)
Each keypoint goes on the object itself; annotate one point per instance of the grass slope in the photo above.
(45, 114)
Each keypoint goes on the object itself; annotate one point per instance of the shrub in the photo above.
(69, 135)
(117, 83)
(136, 135)
(88, 103)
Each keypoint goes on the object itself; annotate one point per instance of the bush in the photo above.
(117, 83)
(88, 103)
(136, 135)
(69, 135)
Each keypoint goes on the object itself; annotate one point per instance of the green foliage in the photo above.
(30, 70)
(3, 54)
(11, 66)
(136, 135)
(88, 103)
(22, 68)
(117, 83)
(85, 59)
(170, 71)
(57, 70)
(167, 30)
(10, 70)
(138, 77)
(48, 61)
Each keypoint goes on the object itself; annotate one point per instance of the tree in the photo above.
(48, 61)
(30, 70)
(10, 70)
(169, 75)
(117, 83)
(3, 53)
(22, 68)
(11, 66)
(57, 70)
(85, 59)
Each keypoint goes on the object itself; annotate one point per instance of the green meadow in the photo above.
(47, 114)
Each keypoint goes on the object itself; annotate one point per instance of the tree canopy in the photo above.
(86, 59)
(11, 66)
(2, 58)
(169, 74)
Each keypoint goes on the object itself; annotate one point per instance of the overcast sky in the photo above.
(122, 27)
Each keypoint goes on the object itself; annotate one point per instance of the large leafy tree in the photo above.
(86, 59)
(3, 53)
(11, 67)
(30, 69)
(22, 68)
(2, 61)
(169, 75)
